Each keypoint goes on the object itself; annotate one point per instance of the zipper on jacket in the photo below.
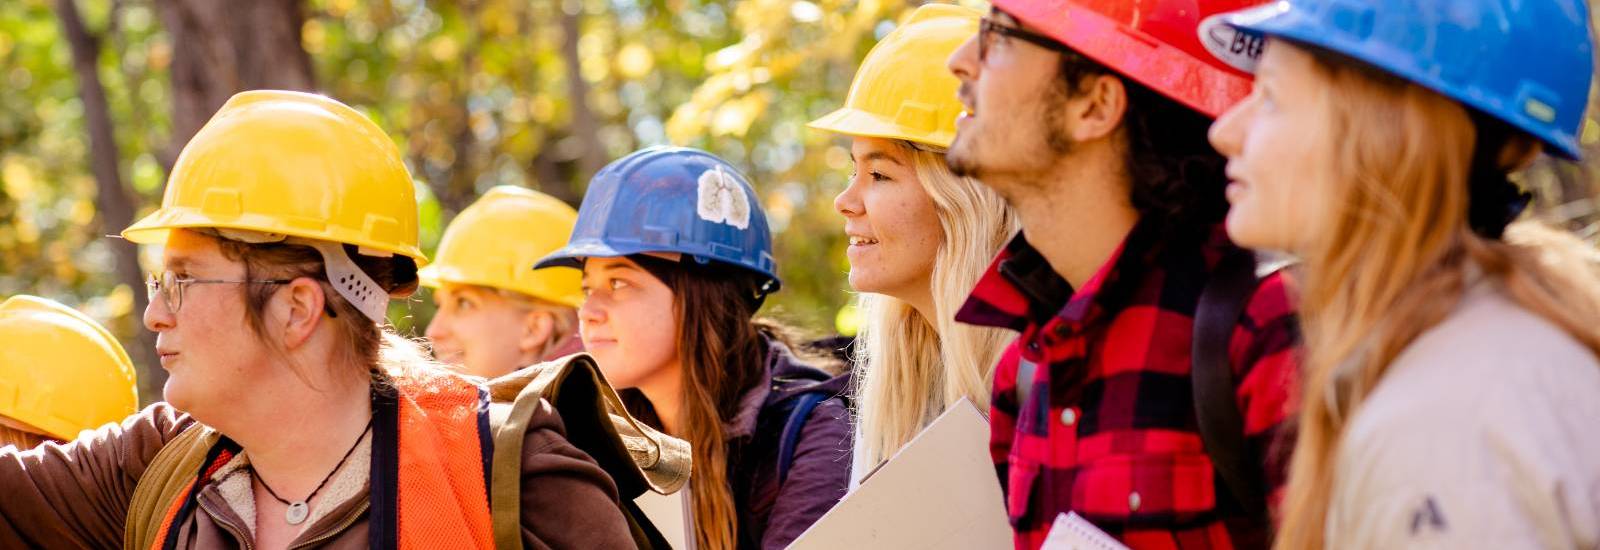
(337, 529)
(249, 543)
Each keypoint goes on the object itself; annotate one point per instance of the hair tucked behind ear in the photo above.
(374, 348)
(1397, 257)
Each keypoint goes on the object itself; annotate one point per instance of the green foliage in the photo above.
(479, 93)
(51, 242)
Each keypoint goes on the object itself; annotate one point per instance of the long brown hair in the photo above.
(722, 350)
(1398, 254)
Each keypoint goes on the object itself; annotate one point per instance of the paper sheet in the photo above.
(939, 492)
(1072, 532)
(670, 515)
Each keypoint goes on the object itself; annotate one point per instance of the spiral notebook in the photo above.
(1072, 532)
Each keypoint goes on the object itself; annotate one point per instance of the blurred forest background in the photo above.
(97, 97)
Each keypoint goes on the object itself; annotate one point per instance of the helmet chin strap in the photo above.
(346, 277)
(350, 281)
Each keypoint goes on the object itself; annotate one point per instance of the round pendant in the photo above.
(296, 513)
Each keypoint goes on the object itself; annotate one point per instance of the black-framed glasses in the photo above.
(988, 28)
(170, 287)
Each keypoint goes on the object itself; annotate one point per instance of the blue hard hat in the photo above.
(673, 200)
(1527, 63)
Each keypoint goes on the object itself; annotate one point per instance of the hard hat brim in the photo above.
(154, 228)
(574, 254)
(436, 276)
(1172, 71)
(858, 123)
(1280, 21)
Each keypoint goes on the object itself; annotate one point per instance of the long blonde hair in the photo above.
(1397, 255)
(908, 367)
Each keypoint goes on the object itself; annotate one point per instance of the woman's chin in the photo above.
(175, 394)
(861, 280)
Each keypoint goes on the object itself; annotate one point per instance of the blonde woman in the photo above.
(1453, 386)
(920, 237)
(496, 314)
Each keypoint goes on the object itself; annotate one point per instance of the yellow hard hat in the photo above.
(903, 90)
(290, 164)
(496, 241)
(60, 371)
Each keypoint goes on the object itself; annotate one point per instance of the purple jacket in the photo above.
(772, 515)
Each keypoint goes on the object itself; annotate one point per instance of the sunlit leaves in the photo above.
(480, 93)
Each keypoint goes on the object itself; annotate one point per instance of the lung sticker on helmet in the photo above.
(722, 200)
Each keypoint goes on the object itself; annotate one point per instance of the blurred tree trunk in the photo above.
(459, 188)
(114, 202)
(222, 47)
(589, 153)
(569, 157)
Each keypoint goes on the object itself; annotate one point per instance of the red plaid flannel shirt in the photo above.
(1109, 429)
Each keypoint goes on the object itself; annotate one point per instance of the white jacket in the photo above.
(1485, 433)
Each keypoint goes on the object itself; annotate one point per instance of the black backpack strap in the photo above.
(1221, 424)
(384, 516)
(804, 404)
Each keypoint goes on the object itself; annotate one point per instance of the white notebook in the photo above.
(672, 515)
(937, 493)
(1072, 532)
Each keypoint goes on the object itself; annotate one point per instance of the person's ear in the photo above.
(1097, 111)
(300, 304)
(537, 327)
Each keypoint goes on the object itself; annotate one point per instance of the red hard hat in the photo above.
(1154, 42)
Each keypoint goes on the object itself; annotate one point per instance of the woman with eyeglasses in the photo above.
(293, 415)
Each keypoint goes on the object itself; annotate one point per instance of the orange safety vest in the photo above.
(431, 460)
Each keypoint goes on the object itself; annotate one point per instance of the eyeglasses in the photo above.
(988, 29)
(170, 287)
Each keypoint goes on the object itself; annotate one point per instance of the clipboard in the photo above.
(938, 492)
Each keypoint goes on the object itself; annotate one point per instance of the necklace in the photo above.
(298, 510)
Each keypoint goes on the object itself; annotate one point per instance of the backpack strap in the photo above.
(804, 404)
(163, 496)
(1220, 422)
(637, 457)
